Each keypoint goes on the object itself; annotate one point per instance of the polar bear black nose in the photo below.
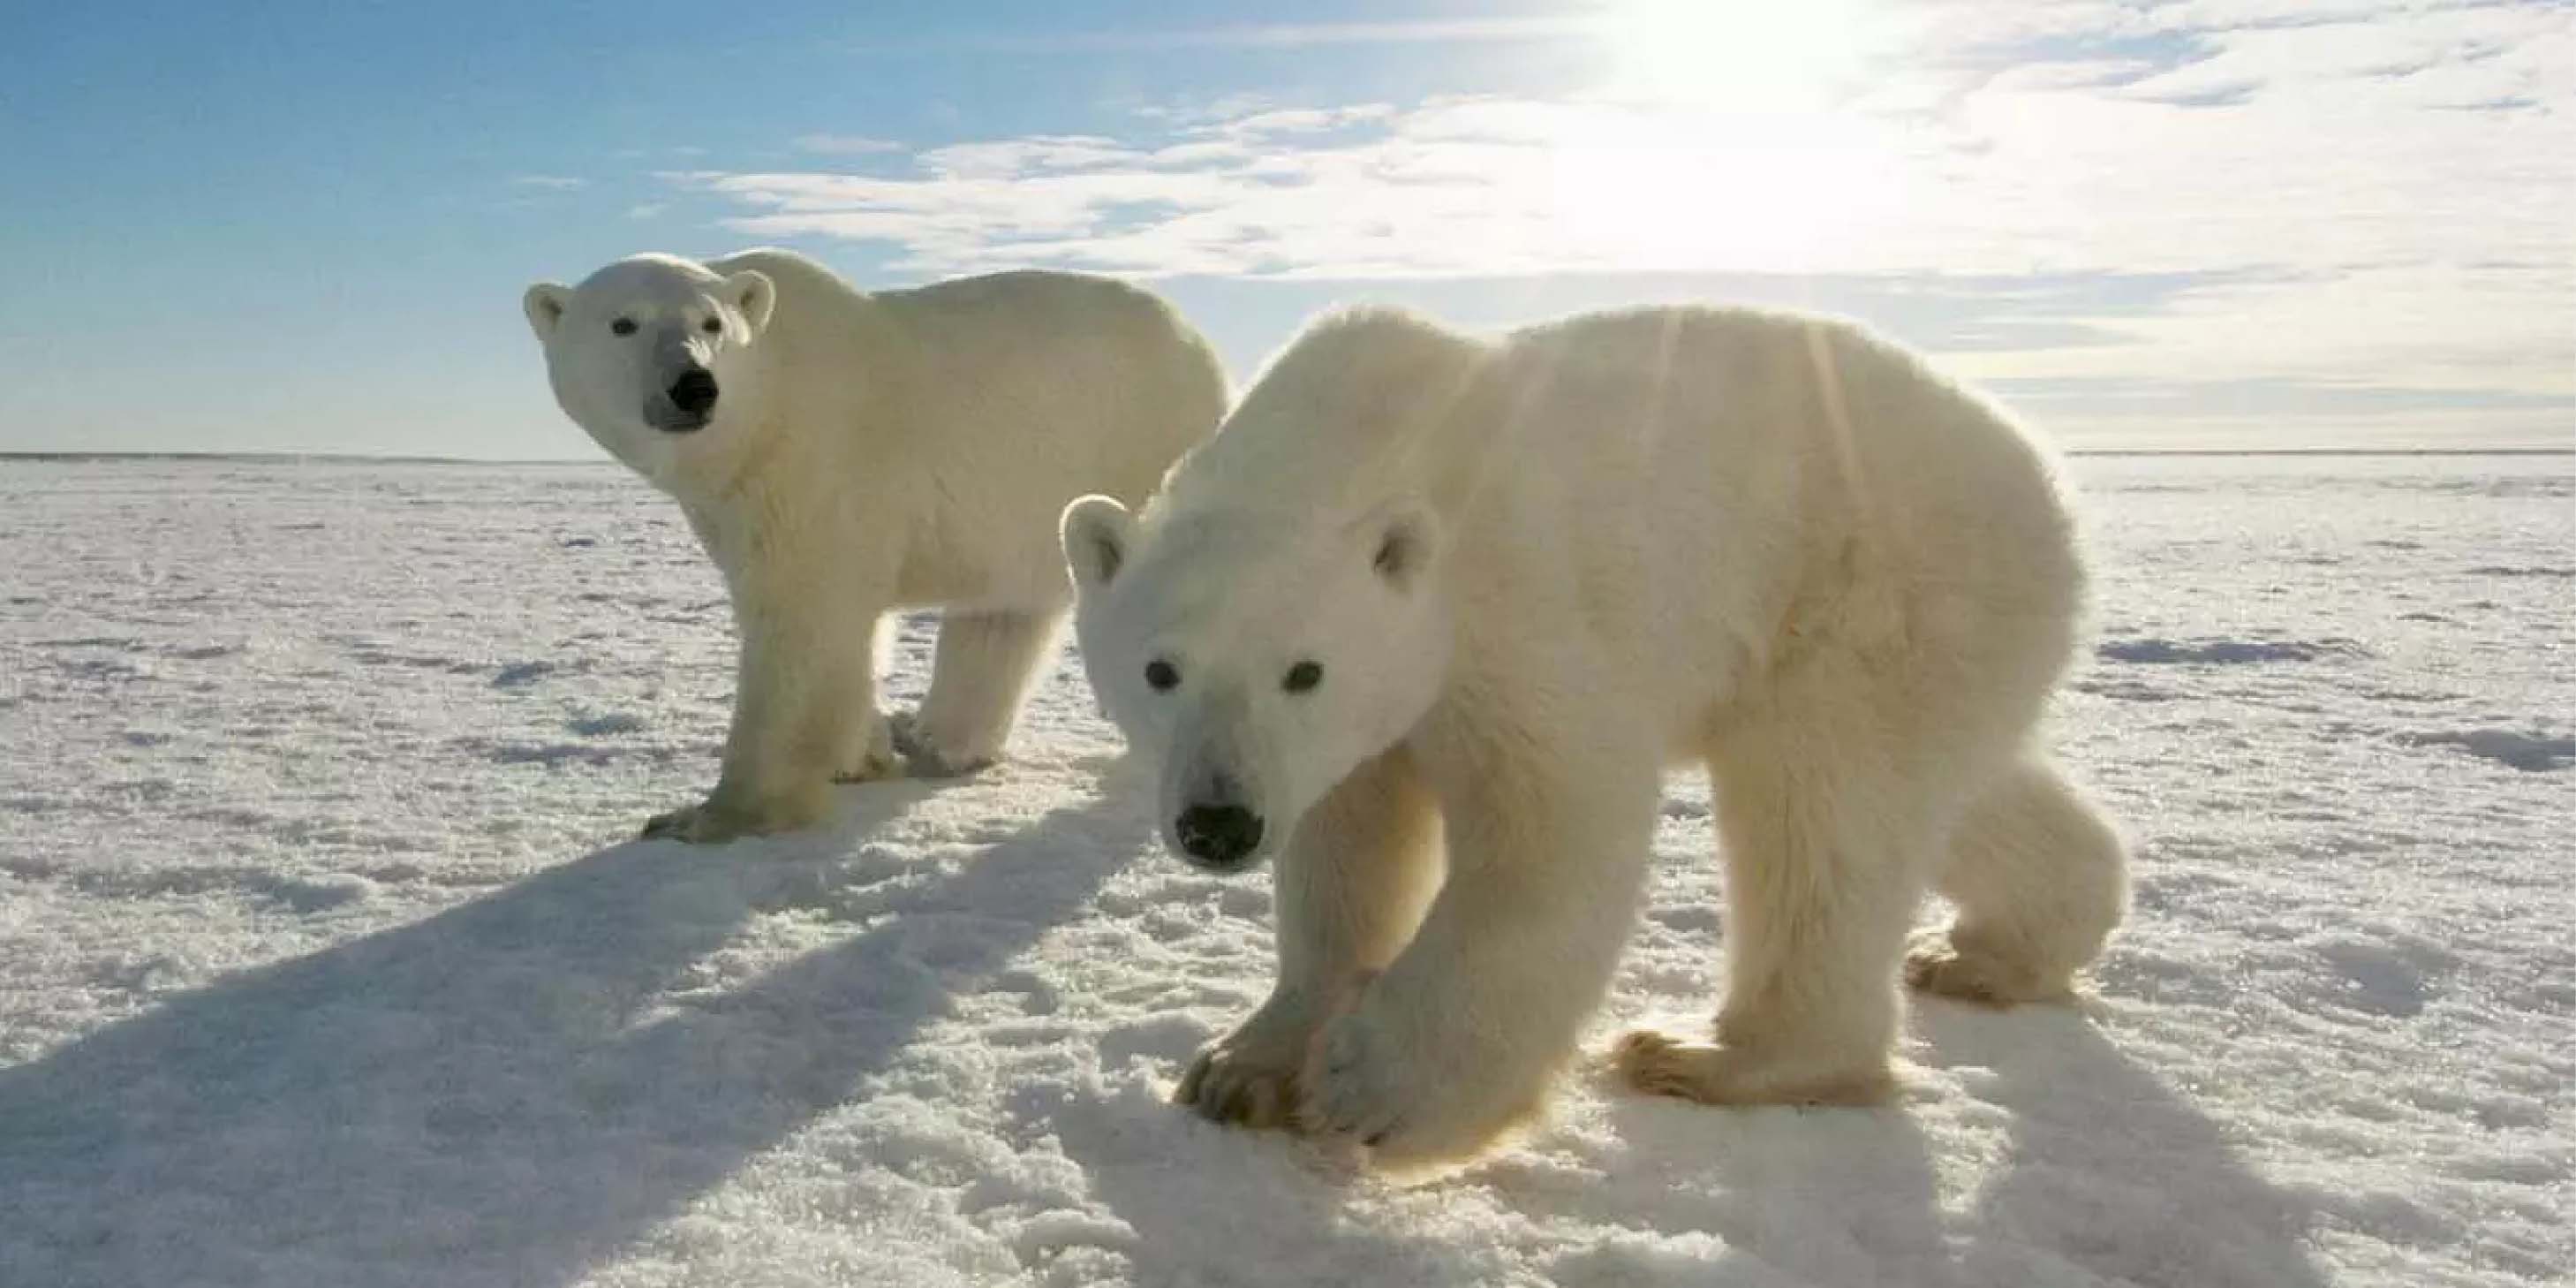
(694, 391)
(1220, 835)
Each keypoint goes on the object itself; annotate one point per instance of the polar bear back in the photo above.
(1153, 385)
(1746, 411)
(1742, 414)
(1043, 355)
(969, 412)
(1743, 478)
(1679, 483)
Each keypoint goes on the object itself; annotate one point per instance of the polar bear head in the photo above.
(654, 355)
(1256, 659)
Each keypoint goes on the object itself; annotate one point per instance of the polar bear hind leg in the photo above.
(2038, 878)
(981, 673)
(1834, 788)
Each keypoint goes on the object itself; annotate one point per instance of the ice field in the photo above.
(325, 957)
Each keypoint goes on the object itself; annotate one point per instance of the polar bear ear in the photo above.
(1096, 533)
(753, 295)
(545, 303)
(1404, 539)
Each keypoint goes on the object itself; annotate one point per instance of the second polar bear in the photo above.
(1429, 616)
(840, 454)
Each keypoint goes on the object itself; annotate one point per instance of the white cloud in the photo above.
(1307, 120)
(845, 145)
(2507, 328)
(2392, 184)
(1261, 36)
(1448, 188)
(1007, 157)
(2403, 58)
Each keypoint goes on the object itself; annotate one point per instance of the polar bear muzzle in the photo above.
(686, 403)
(1218, 837)
(1215, 828)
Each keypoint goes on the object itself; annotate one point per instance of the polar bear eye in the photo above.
(1303, 676)
(1162, 675)
(623, 326)
(711, 326)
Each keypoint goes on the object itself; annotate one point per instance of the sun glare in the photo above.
(1728, 137)
(1746, 56)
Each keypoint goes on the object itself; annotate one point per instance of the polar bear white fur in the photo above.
(1429, 615)
(840, 454)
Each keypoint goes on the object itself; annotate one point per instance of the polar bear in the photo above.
(840, 454)
(1429, 615)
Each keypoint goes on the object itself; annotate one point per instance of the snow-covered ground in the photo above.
(324, 957)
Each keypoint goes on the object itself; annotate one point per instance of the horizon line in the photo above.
(40, 456)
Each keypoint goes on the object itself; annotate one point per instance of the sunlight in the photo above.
(1755, 56)
(1727, 137)
(1684, 188)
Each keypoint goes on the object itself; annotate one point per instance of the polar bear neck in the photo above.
(810, 435)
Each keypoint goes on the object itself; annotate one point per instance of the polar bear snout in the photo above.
(1220, 837)
(685, 403)
(695, 391)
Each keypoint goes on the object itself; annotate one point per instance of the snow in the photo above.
(324, 957)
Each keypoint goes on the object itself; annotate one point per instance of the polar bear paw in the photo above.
(923, 755)
(1359, 1085)
(717, 819)
(705, 824)
(1250, 1076)
(1409, 1095)
(1940, 963)
(883, 758)
(1250, 1085)
(1718, 1074)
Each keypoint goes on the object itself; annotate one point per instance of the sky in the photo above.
(2179, 224)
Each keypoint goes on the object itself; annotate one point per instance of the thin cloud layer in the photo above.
(2379, 185)
(845, 145)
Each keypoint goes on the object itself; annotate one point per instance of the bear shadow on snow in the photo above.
(480, 1097)
(2106, 1174)
(1669, 1168)
(2138, 1185)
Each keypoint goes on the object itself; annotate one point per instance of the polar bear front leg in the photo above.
(1458, 1038)
(1351, 887)
(804, 715)
(978, 679)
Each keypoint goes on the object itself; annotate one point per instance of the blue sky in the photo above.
(2194, 223)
